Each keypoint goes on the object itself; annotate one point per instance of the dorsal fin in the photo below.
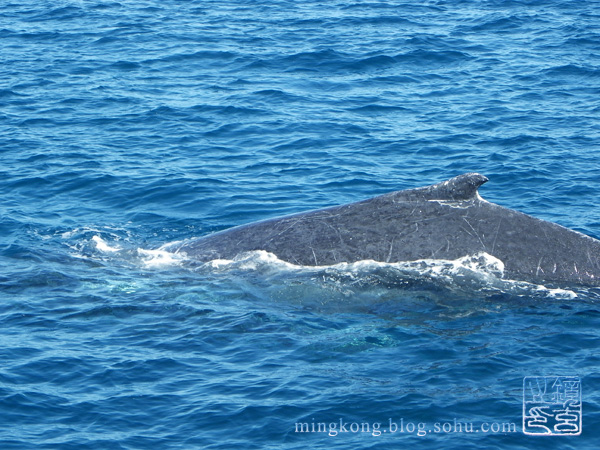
(462, 187)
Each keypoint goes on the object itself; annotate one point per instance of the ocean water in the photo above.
(128, 125)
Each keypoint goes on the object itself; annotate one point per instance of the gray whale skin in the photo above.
(448, 220)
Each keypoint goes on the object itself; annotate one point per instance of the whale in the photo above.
(445, 221)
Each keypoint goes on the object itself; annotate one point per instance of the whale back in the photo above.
(447, 220)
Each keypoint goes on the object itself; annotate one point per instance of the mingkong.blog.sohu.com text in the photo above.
(341, 426)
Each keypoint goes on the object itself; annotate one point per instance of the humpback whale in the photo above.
(447, 220)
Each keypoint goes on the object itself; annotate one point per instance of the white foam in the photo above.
(149, 258)
(103, 246)
(563, 294)
(159, 258)
(255, 260)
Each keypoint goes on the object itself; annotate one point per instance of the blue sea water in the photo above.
(127, 125)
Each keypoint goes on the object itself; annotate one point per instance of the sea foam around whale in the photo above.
(480, 273)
